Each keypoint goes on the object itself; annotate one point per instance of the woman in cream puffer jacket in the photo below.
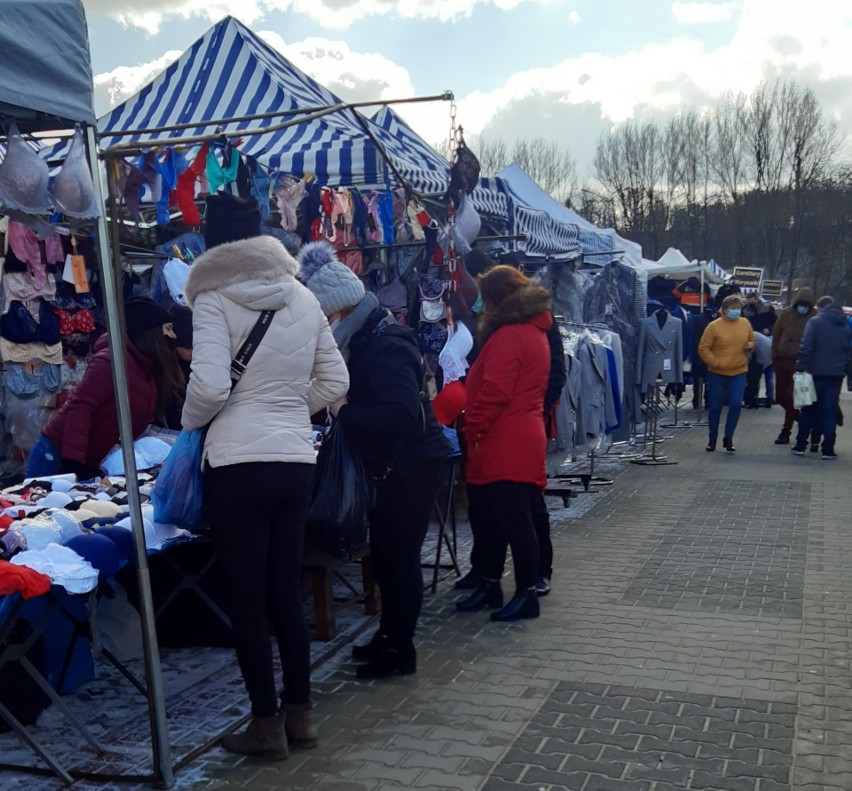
(259, 465)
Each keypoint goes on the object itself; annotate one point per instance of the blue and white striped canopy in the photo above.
(230, 72)
(546, 237)
(418, 162)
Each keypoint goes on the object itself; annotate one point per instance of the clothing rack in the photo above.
(419, 242)
(585, 325)
(586, 479)
(654, 407)
(699, 421)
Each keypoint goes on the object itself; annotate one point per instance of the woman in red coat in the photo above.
(504, 432)
(85, 428)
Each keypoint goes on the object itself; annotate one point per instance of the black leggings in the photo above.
(399, 520)
(257, 513)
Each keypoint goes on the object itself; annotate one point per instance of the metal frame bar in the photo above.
(110, 271)
(445, 96)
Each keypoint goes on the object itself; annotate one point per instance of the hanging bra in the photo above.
(24, 385)
(24, 177)
(73, 189)
(20, 327)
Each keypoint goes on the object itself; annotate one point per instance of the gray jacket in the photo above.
(825, 345)
(660, 351)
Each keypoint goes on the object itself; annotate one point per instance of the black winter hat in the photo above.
(230, 219)
(141, 315)
(182, 325)
(476, 262)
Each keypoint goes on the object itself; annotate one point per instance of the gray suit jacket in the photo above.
(656, 346)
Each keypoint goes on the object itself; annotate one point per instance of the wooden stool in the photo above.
(322, 570)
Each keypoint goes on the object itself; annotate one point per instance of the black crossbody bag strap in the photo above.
(249, 347)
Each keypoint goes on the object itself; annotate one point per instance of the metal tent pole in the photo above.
(114, 310)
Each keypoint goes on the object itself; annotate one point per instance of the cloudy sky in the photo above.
(562, 69)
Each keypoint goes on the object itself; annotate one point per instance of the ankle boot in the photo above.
(728, 444)
(390, 661)
(468, 582)
(264, 736)
(368, 651)
(524, 604)
(298, 725)
(489, 595)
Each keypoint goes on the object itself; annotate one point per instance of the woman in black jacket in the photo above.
(388, 421)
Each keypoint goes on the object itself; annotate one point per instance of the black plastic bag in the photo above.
(337, 519)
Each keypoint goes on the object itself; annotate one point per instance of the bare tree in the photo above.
(634, 167)
(493, 155)
(691, 138)
(554, 170)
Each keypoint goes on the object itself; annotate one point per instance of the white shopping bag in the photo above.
(804, 393)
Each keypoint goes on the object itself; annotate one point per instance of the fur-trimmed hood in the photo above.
(526, 304)
(258, 273)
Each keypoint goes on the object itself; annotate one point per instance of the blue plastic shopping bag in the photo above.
(177, 495)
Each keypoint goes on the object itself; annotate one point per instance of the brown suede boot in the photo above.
(264, 736)
(300, 729)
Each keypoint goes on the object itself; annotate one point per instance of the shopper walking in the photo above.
(786, 338)
(825, 354)
(505, 437)
(259, 460)
(387, 420)
(725, 347)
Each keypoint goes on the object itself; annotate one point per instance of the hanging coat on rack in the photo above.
(660, 350)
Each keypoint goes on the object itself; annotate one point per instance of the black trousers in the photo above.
(541, 525)
(257, 514)
(478, 516)
(399, 519)
(753, 377)
(506, 509)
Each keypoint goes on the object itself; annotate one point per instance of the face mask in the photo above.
(733, 314)
(802, 309)
(334, 325)
(476, 307)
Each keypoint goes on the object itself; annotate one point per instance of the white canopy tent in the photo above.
(675, 264)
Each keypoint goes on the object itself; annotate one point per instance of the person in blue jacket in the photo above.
(825, 354)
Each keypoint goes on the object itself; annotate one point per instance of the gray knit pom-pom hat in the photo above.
(335, 286)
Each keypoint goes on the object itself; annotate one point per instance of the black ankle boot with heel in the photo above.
(711, 445)
(524, 604)
(392, 659)
(728, 444)
(489, 595)
(368, 651)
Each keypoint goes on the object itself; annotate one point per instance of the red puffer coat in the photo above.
(503, 424)
(86, 426)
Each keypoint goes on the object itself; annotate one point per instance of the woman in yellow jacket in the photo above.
(725, 347)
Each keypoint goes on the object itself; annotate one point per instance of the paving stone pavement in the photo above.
(697, 637)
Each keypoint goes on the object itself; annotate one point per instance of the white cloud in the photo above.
(574, 18)
(773, 38)
(330, 13)
(576, 99)
(353, 76)
(701, 13)
(113, 87)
